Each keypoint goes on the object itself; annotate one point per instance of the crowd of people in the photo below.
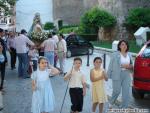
(55, 49)
(19, 45)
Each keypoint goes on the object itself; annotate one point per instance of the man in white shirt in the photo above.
(61, 52)
(55, 37)
(21, 49)
(11, 48)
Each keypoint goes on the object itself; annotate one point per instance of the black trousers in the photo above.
(13, 57)
(76, 95)
(2, 69)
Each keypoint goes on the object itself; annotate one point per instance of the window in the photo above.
(146, 52)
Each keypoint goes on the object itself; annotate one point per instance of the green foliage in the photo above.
(138, 17)
(66, 30)
(5, 7)
(148, 36)
(11, 2)
(49, 26)
(69, 26)
(95, 18)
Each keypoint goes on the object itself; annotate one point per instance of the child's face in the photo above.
(43, 64)
(77, 63)
(97, 63)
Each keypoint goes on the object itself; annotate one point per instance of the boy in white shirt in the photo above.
(77, 86)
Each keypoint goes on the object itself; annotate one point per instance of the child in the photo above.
(97, 76)
(77, 85)
(33, 56)
(42, 98)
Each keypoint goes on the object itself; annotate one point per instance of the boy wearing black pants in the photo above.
(77, 85)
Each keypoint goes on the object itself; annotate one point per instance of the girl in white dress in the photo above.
(43, 97)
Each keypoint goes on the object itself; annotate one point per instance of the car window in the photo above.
(146, 52)
(71, 39)
(80, 39)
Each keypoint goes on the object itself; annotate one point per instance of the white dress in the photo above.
(43, 97)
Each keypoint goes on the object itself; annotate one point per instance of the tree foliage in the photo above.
(4, 4)
(138, 17)
(96, 18)
(49, 26)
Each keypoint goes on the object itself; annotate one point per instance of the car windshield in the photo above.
(80, 39)
(146, 52)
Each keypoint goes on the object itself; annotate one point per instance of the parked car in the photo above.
(141, 76)
(76, 45)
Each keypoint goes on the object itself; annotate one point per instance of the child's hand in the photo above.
(104, 75)
(84, 91)
(33, 85)
(33, 88)
(54, 71)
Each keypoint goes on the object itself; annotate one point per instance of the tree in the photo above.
(96, 18)
(49, 26)
(4, 4)
(138, 17)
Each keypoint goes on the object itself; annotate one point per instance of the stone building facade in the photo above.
(120, 9)
(70, 11)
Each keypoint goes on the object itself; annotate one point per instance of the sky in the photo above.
(26, 9)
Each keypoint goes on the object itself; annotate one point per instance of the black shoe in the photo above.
(1, 88)
(26, 77)
(65, 73)
(1, 108)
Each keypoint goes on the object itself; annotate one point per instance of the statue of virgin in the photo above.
(36, 25)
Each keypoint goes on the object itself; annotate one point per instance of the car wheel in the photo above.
(90, 51)
(136, 94)
(68, 53)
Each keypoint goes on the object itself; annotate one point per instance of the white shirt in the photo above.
(62, 47)
(21, 43)
(55, 37)
(125, 60)
(11, 42)
(77, 79)
(49, 45)
(33, 54)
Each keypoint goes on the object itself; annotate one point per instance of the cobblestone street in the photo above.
(17, 98)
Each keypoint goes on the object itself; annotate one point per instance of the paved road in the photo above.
(17, 98)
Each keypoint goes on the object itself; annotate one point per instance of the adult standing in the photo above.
(2, 42)
(56, 39)
(12, 49)
(49, 46)
(119, 71)
(21, 43)
(61, 52)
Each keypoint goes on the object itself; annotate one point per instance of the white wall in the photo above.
(26, 9)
